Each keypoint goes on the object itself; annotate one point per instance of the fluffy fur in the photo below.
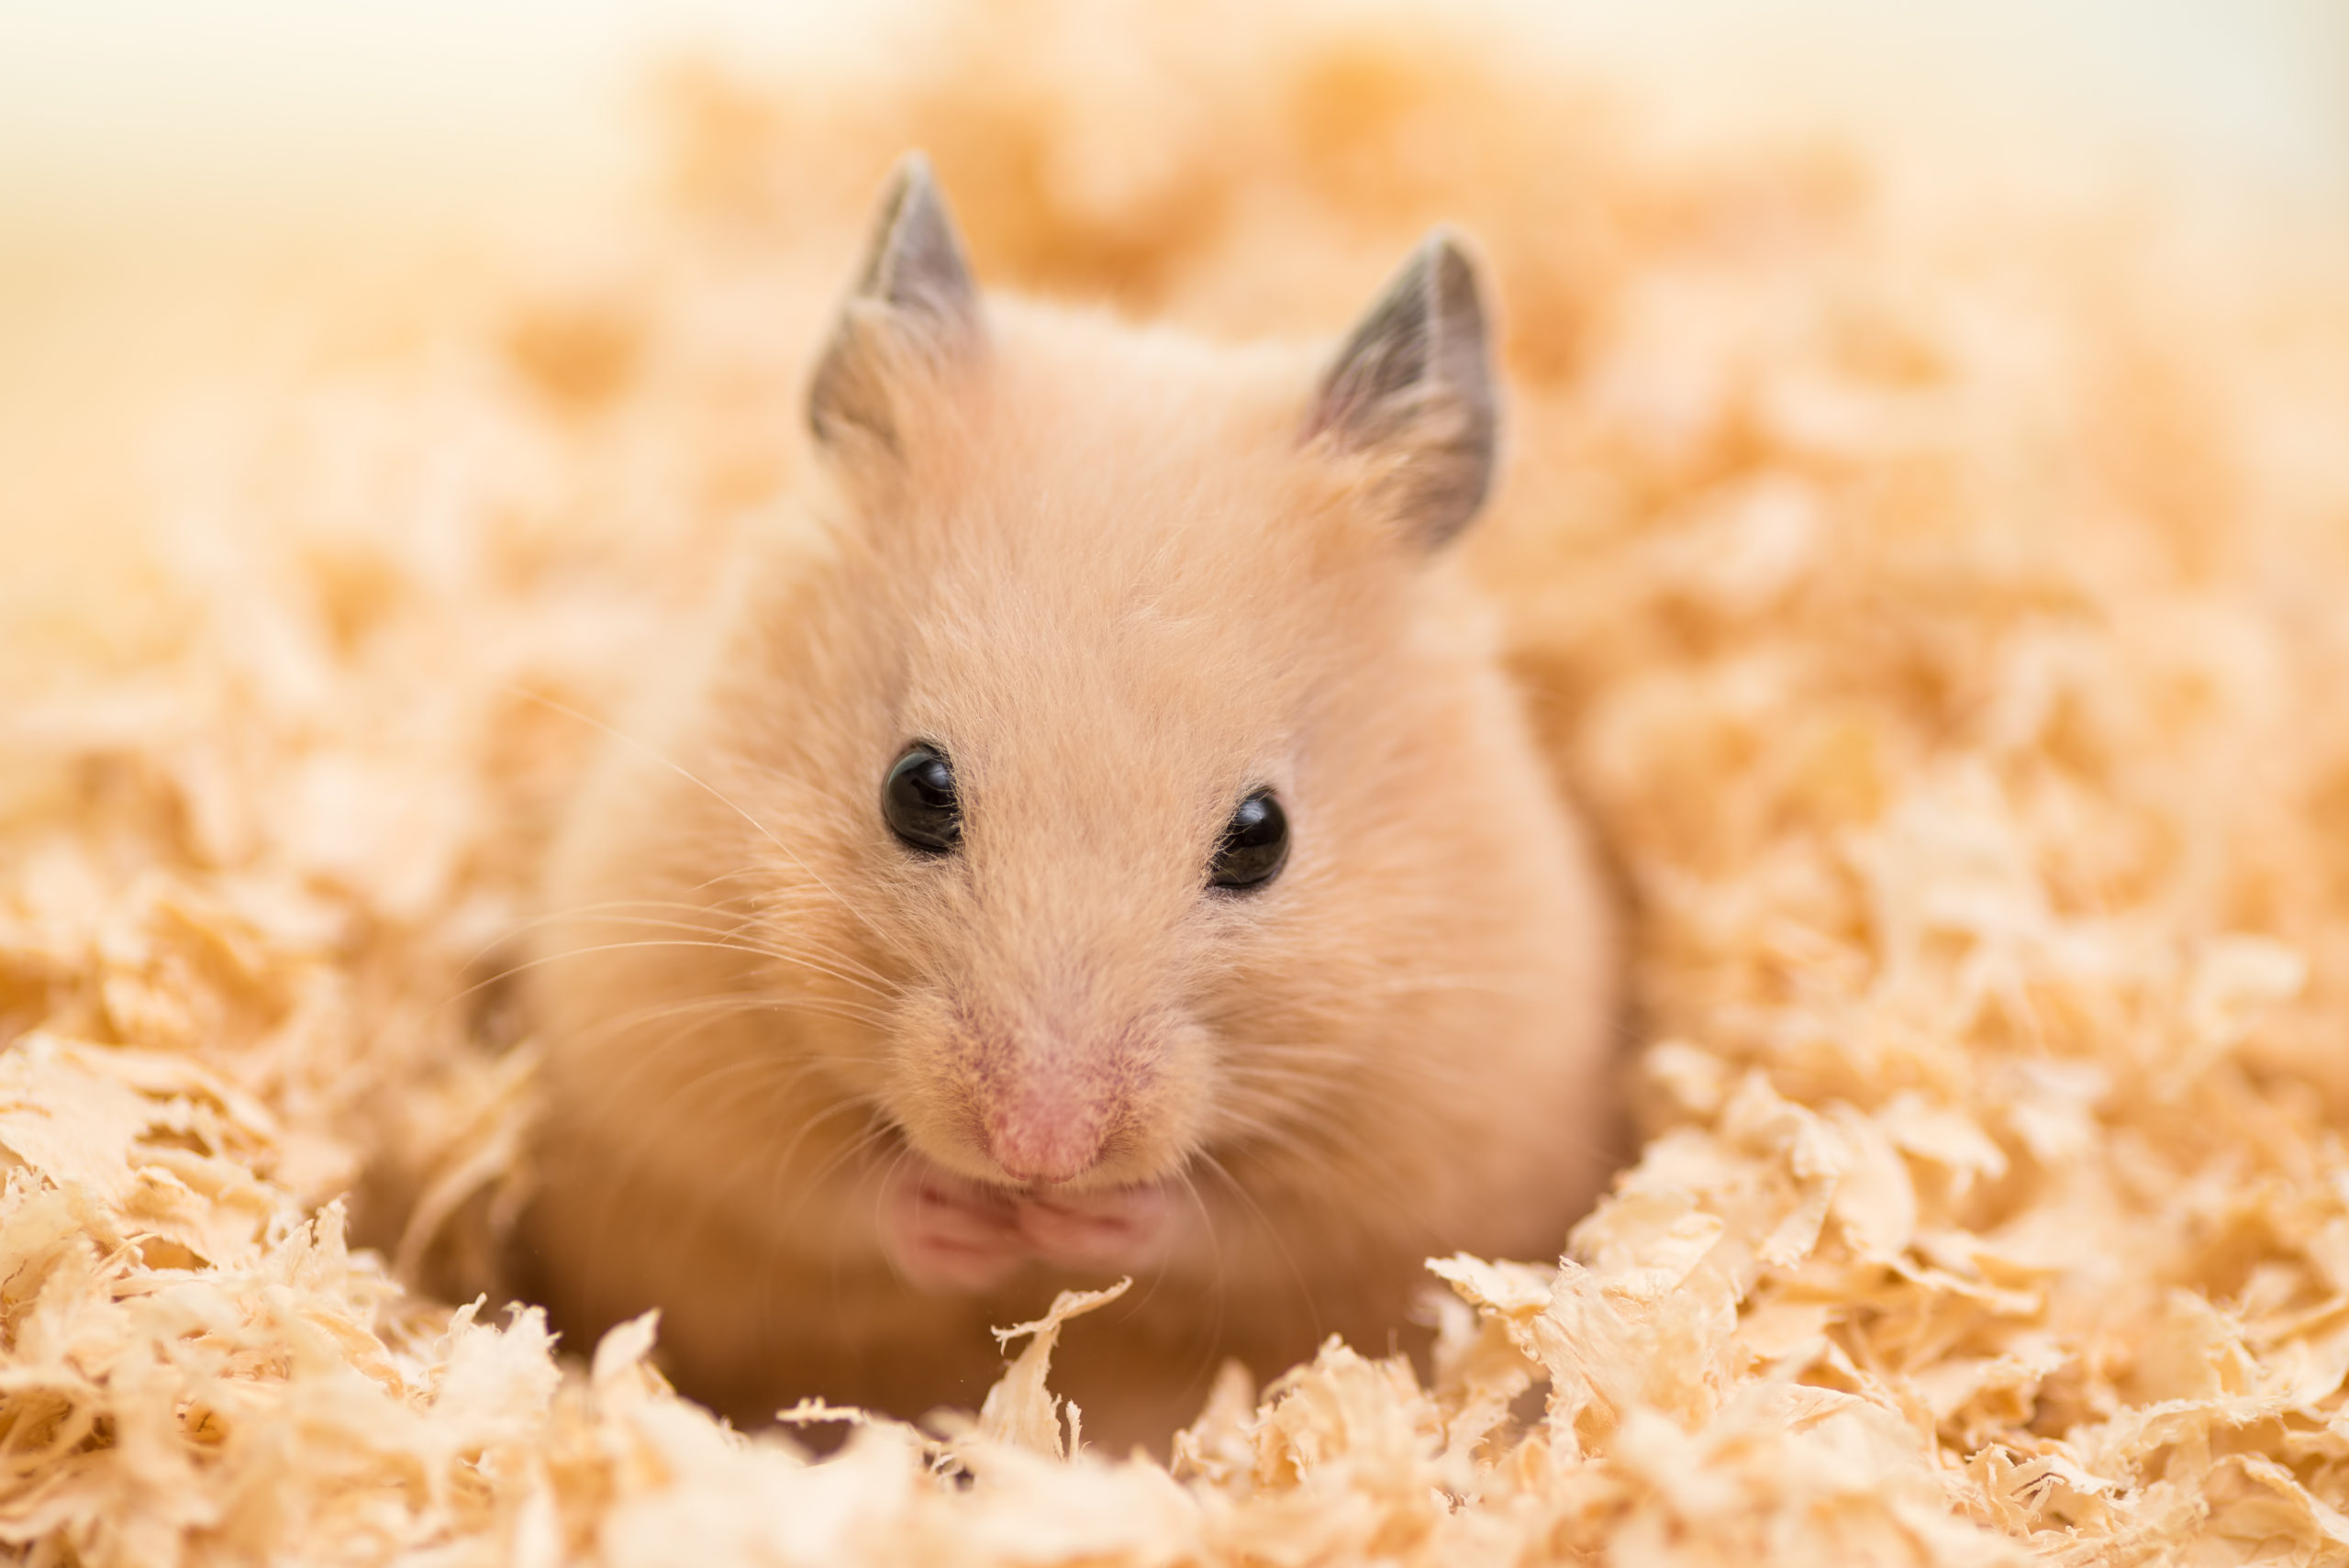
(1122, 577)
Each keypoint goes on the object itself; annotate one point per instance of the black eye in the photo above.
(1254, 845)
(918, 800)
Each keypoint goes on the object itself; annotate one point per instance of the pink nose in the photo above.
(1045, 1140)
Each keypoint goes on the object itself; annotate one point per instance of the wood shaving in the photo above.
(1937, 608)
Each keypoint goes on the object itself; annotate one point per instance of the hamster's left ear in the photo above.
(1411, 393)
(914, 307)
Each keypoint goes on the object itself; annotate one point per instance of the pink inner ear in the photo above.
(916, 271)
(1414, 382)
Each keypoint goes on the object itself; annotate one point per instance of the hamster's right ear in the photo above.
(914, 307)
(1410, 395)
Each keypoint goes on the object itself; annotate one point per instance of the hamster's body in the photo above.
(838, 1101)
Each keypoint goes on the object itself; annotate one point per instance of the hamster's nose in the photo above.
(1045, 1138)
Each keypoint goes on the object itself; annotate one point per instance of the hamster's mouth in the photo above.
(945, 1232)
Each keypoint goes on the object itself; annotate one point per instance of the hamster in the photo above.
(1103, 841)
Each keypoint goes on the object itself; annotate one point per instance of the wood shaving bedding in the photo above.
(1937, 611)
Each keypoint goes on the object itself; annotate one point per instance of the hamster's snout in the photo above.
(1048, 1100)
(1048, 1134)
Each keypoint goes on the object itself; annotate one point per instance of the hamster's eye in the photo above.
(918, 800)
(1255, 843)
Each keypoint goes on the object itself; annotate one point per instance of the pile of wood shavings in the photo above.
(1936, 612)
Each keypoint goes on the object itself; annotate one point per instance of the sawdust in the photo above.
(1936, 610)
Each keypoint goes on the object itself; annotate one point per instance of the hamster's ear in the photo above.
(914, 303)
(1412, 393)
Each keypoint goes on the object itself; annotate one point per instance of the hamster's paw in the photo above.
(1125, 1228)
(947, 1234)
(944, 1232)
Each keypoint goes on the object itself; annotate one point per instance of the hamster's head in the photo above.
(1122, 751)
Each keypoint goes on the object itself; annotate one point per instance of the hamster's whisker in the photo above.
(654, 754)
(544, 959)
(1402, 1073)
(515, 931)
(718, 1074)
(1291, 1051)
(1281, 1138)
(775, 903)
(1274, 1073)
(1158, 1275)
(836, 964)
(1441, 985)
(781, 1165)
(704, 1209)
(776, 1077)
(888, 939)
(1264, 1110)
(647, 1130)
(880, 1197)
(1264, 1222)
(780, 1233)
(748, 934)
(889, 1175)
(688, 906)
(1310, 1142)
(661, 1012)
(738, 1003)
(745, 873)
(781, 1073)
(671, 914)
(1215, 1246)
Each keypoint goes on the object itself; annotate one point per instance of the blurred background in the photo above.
(187, 192)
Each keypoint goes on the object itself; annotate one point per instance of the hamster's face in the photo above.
(1112, 728)
(1096, 639)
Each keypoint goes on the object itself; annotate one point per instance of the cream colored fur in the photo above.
(1103, 569)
